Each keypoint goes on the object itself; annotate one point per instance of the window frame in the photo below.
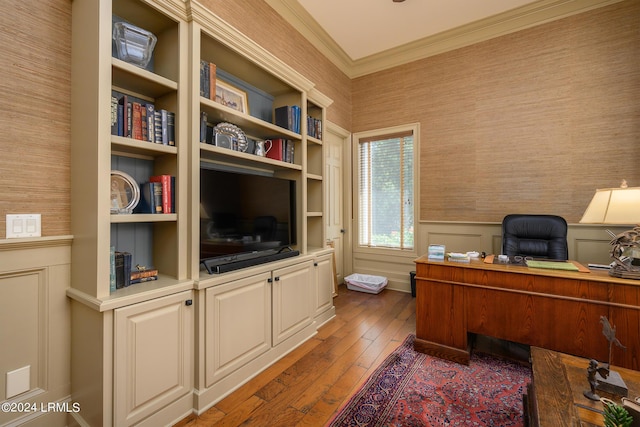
(413, 128)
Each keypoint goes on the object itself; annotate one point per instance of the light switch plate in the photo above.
(24, 225)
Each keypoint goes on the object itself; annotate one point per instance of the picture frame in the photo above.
(232, 97)
(125, 193)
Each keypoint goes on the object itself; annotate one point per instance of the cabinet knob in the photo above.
(188, 302)
(269, 280)
(277, 279)
(315, 264)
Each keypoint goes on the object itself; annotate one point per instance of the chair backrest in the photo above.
(266, 227)
(538, 236)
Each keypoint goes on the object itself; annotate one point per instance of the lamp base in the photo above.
(613, 384)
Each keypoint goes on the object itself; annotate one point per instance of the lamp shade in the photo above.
(614, 206)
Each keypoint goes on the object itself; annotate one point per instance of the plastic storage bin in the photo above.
(366, 283)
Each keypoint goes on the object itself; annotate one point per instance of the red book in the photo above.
(165, 180)
(277, 149)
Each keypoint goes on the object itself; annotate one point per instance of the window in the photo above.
(386, 189)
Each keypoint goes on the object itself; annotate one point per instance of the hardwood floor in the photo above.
(308, 385)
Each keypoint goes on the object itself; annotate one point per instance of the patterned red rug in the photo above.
(413, 389)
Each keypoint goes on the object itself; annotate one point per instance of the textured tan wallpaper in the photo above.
(35, 105)
(533, 121)
(529, 122)
(265, 26)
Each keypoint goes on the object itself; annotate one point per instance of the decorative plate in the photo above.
(235, 133)
(125, 193)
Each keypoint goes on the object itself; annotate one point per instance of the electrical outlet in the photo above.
(24, 225)
(18, 381)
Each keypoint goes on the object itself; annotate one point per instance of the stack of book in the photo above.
(143, 274)
(458, 257)
(288, 117)
(120, 263)
(158, 195)
(208, 79)
(136, 118)
(121, 273)
(281, 149)
(314, 127)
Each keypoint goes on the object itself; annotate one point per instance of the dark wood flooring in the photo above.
(308, 385)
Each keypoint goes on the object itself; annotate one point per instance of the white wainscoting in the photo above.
(587, 244)
(35, 329)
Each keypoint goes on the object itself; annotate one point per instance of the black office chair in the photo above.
(266, 227)
(537, 236)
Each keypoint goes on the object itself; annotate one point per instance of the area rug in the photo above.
(413, 389)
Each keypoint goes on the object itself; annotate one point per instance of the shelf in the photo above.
(250, 125)
(219, 154)
(137, 148)
(314, 177)
(314, 140)
(131, 78)
(314, 214)
(137, 218)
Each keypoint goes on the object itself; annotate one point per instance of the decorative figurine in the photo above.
(610, 334)
(613, 383)
(593, 382)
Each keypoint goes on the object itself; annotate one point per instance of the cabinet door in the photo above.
(292, 300)
(323, 284)
(153, 349)
(237, 325)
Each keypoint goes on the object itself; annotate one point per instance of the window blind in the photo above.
(385, 191)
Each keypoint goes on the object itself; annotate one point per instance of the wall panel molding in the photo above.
(35, 323)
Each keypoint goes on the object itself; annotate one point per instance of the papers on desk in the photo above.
(553, 265)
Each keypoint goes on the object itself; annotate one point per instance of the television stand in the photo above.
(226, 263)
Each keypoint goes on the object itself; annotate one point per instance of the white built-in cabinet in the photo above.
(292, 300)
(323, 287)
(153, 348)
(152, 353)
(237, 324)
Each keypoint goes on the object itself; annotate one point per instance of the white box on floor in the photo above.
(366, 283)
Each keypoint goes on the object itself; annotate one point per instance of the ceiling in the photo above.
(365, 36)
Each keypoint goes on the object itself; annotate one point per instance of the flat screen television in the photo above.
(244, 214)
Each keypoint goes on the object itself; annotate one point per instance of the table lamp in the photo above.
(619, 206)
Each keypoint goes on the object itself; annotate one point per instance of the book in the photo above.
(157, 127)
(122, 265)
(282, 116)
(124, 102)
(171, 128)
(164, 129)
(143, 279)
(165, 182)
(114, 113)
(277, 149)
(112, 269)
(150, 198)
(144, 273)
(150, 122)
(143, 120)
(136, 120)
(204, 79)
(212, 80)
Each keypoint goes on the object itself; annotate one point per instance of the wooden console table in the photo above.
(553, 309)
(554, 396)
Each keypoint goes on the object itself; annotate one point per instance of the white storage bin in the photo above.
(366, 283)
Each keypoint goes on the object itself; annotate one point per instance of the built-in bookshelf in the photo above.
(116, 327)
(278, 109)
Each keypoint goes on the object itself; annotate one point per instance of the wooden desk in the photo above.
(554, 396)
(553, 309)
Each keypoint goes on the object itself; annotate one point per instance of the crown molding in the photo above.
(518, 19)
(231, 37)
